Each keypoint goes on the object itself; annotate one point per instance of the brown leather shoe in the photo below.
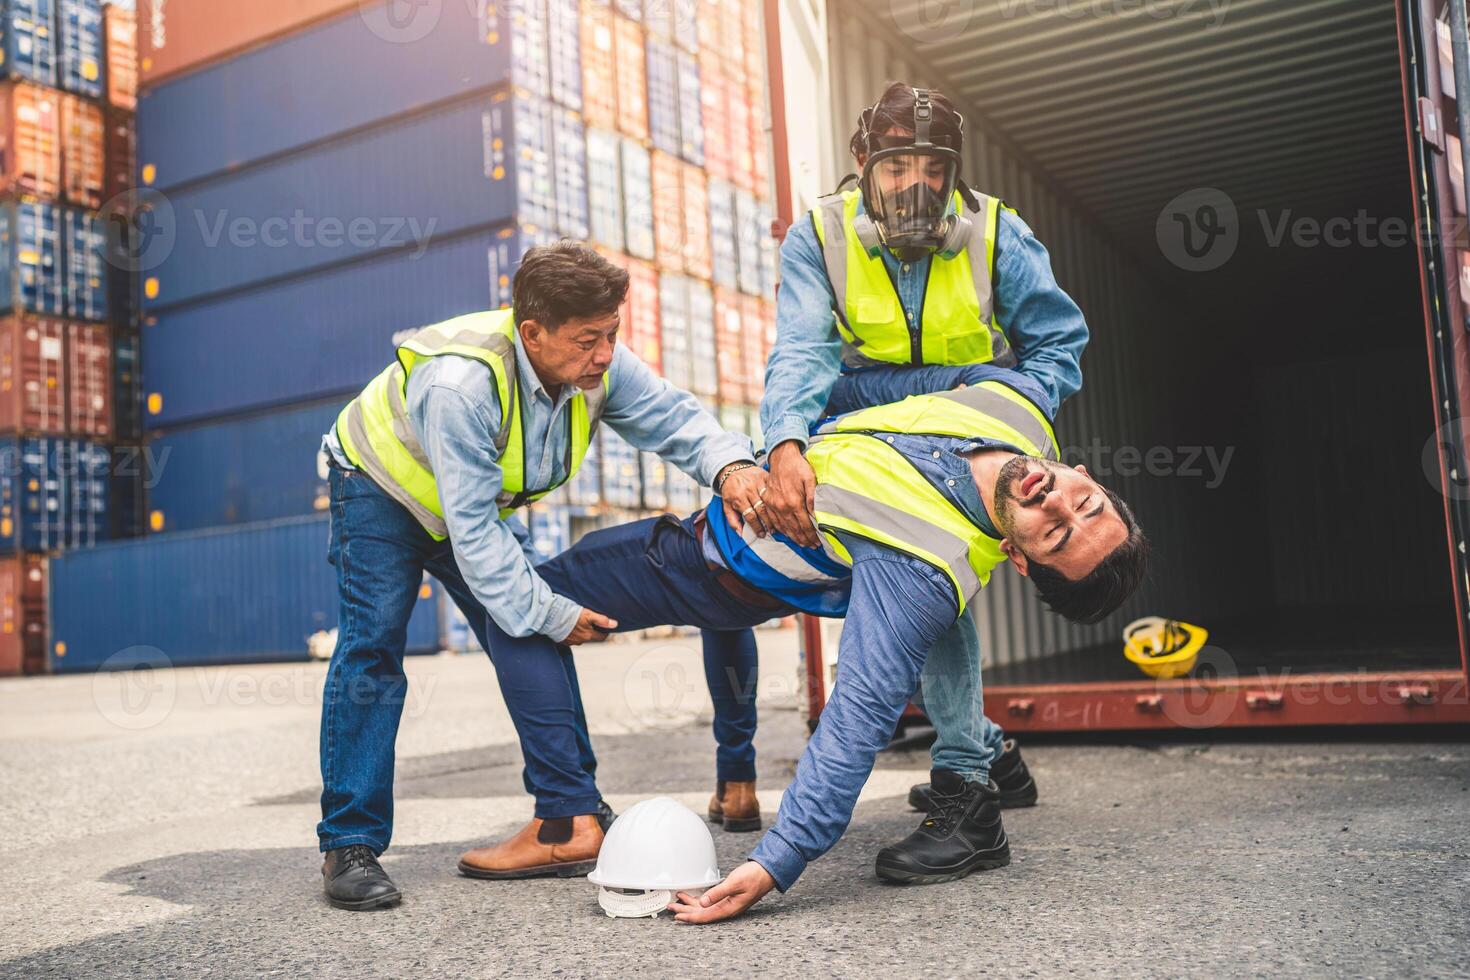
(565, 847)
(734, 805)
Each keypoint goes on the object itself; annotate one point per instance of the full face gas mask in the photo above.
(908, 186)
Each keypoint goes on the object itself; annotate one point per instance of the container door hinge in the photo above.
(1410, 695)
(1021, 707)
(1429, 124)
(1263, 700)
(1150, 704)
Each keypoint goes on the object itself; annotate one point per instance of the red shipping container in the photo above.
(742, 158)
(707, 25)
(632, 81)
(714, 116)
(760, 154)
(753, 341)
(668, 211)
(753, 42)
(83, 152)
(641, 330)
(120, 35)
(30, 139)
(175, 36)
(697, 250)
(88, 381)
(32, 384)
(730, 347)
(732, 39)
(121, 147)
(22, 615)
(599, 70)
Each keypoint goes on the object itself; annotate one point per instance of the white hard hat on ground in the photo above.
(654, 849)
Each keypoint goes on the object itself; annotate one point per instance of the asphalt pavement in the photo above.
(163, 826)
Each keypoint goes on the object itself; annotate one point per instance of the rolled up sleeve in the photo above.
(456, 424)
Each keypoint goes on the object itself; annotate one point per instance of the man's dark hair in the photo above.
(558, 282)
(1090, 599)
(895, 110)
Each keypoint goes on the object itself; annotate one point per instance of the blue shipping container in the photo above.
(564, 53)
(396, 188)
(655, 481)
(326, 80)
(31, 258)
(621, 483)
(84, 245)
(239, 471)
(569, 143)
(748, 242)
(637, 197)
(505, 258)
(53, 494)
(585, 489)
(663, 97)
(770, 251)
(691, 112)
(80, 40)
(604, 190)
(704, 376)
(254, 593)
(127, 386)
(725, 263)
(682, 493)
(673, 306)
(312, 338)
(28, 40)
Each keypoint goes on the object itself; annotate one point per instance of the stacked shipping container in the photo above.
(331, 176)
(67, 82)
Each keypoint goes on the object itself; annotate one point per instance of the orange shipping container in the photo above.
(730, 347)
(88, 381)
(695, 205)
(175, 36)
(30, 140)
(668, 211)
(32, 386)
(738, 129)
(122, 151)
(714, 116)
(599, 71)
(753, 341)
(83, 152)
(732, 38)
(120, 34)
(22, 615)
(768, 328)
(640, 330)
(753, 42)
(632, 81)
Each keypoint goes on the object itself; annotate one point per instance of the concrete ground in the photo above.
(162, 826)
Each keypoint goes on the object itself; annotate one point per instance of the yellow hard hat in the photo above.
(1163, 648)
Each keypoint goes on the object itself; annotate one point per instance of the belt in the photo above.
(731, 582)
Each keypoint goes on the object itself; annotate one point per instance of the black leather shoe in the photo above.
(355, 880)
(963, 833)
(1017, 788)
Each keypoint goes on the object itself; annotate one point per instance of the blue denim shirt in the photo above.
(1045, 327)
(453, 406)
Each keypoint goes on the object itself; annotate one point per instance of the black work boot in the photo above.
(605, 816)
(1017, 788)
(356, 881)
(963, 833)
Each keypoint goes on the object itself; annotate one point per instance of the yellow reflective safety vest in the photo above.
(956, 324)
(377, 437)
(867, 488)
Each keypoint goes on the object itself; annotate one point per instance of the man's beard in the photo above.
(1010, 475)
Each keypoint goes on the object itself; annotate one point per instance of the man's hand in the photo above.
(744, 494)
(792, 495)
(592, 627)
(741, 889)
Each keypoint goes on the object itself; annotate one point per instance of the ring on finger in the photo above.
(759, 504)
(747, 512)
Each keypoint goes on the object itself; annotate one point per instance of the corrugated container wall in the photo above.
(83, 152)
(253, 593)
(84, 248)
(177, 35)
(53, 494)
(31, 268)
(80, 42)
(30, 131)
(120, 37)
(27, 36)
(22, 615)
(1120, 404)
(599, 71)
(32, 375)
(337, 76)
(88, 381)
(239, 471)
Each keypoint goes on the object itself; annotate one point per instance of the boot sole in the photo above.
(735, 825)
(572, 869)
(381, 902)
(986, 861)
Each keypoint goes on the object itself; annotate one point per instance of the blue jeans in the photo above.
(900, 608)
(966, 741)
(653, 573)
(381, 554)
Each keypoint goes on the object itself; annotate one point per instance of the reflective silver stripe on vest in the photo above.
(781, 559)
(1002, 409)
(596, 402)
(357, 430)
(904, 527)
(402, 430)
(1001, 354)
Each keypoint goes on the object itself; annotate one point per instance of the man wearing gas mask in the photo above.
(903, 282)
